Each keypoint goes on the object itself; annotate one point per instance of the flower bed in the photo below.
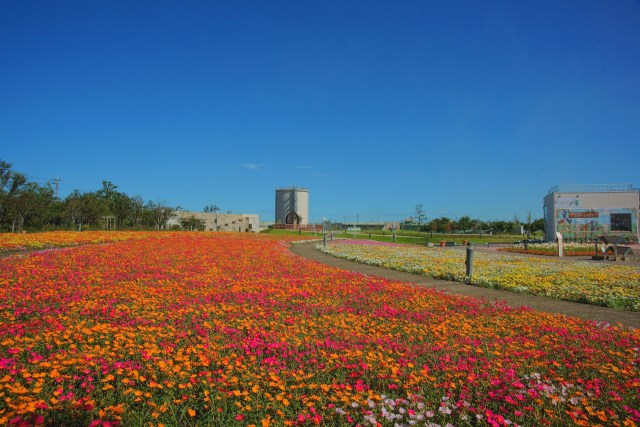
(10, 242)
(17, 242)
(234, 330)
(551, 249)
(599, 284)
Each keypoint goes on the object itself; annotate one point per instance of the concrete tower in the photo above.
(292, 206)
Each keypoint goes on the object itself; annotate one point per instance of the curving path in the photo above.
(550, 305)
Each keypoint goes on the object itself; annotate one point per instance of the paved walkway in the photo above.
(584, 311)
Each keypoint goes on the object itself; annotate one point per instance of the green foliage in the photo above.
(28, 206)
(193, 224)
(211, 209)
(158, 214)
(537, 225)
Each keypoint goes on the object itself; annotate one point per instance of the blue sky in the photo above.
(473, 108)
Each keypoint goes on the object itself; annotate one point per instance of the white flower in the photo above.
(372, 420)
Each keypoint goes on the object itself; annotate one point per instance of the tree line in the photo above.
(28, 206)
(468, 225)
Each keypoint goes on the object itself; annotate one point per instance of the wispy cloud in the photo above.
(252, 166)
(319, 174)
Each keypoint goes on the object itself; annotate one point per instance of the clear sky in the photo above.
(467, 107)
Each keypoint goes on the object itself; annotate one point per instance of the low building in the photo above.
(585, 212)
(369, 226)
(244, 223)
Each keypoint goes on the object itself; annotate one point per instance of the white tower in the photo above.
(292, 206)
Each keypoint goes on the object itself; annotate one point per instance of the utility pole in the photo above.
(57, 182)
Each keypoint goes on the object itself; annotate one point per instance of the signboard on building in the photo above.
(591, 223)
(587, 214)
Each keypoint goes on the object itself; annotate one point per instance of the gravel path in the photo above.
(584, 311)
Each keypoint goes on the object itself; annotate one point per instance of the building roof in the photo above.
(592, 188)
(294, 188)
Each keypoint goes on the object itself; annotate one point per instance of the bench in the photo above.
(618, 250)
(616, 247)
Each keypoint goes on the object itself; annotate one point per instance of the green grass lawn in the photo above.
(409, 237)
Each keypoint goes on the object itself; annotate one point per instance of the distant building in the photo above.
(292, 206)
(244, 223)
(369, 226)
(581, 212)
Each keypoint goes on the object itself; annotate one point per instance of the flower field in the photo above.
(598, 284)
(551, 249)
(234, 330)
(10, 242)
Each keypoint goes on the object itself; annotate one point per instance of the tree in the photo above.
(5, 175)
(420, 216)
(448, 226)
(465, 223)
(441, 225)
(107, 191)
(11, 185)
(136, 211)
(159, 213)
(538, 225)
(45, 207)
(501, 227)
(116, 204)
(193, 223)
(10, 181)
(20, 204)
(83, 209)
(92, 209)
(212, 209)
(25, 204)
(433, 226)
(72, 208)
(478, 226)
